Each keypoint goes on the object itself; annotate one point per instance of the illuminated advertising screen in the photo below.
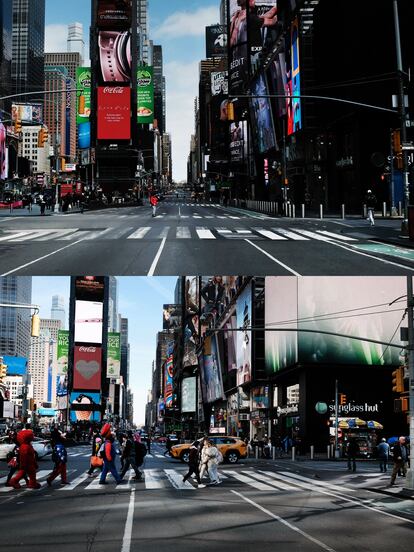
(28, 113)
(62, 351)
(90, 288)
(219, 83)
(191, 320)
(189, 394)
(171, 317)
(210, 370)
(83, 94)
(230, 339)
(238, 141)
(3, 153)
(84, 136)
(114, 57)
(169, 397)
(85, 406)
(262, 115)
(279, 82)
(68, 110)
(216, 41)
(114, 113)
(87, 367)
(357, 306)
(113, 14)
(238, 49)
(244, 338)
(113, 369)
(88, 322)
(145, 77)
(263, 26)
(260, 397)
(296, 112)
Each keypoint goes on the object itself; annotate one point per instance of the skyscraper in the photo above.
(113, 305)
(159, 87)
(15, 323)
(75, 40)
(6, 27)
(142, 22)
(39, 365)
(28, 46)
(58, 310)
(69, 60)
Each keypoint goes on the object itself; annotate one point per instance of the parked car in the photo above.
(41, 447)
(232, 449)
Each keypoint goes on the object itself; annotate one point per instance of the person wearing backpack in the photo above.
(140, 452)
(60, 458)
(108, 453)
(128, 455)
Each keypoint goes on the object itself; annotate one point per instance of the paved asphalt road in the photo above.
(186, 238)
(260, 505)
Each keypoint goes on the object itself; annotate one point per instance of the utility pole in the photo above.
(403, 115)
(410, 311)
(336, 453)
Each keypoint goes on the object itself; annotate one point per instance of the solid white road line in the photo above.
(250, 481)
(55, 234)
(290, 234)
(268, 234)
(126, 541)
(287, 523)
(205, 233)
(273, 258)
(183, 232)
(157, 258)
(176, 479)
(313, 235)
(153, 479)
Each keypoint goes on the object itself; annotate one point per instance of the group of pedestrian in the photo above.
(203, 460)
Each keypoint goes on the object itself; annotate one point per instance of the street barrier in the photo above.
(384, 209)
(256, 452)
(364, 211)
(294, 211)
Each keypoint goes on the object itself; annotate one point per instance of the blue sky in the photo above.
(140, 300)
(179, 26)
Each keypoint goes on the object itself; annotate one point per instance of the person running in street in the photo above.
(108, 451)
(371, 202)
(383, 454)
(352, 450)
(128, 455)
(154, 203)
(400, 457)
(140, 453)
(193, 464)
(60, 458)
(27, 464)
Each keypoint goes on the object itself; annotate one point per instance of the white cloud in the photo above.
(56, 38)
(186, 23)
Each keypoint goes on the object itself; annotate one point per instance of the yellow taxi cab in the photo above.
(232, 448)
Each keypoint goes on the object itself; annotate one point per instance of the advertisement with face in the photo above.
(295, 72)
(114, 14)
(62, 351)
(230, 338)
(191, 318)
(237, 36)
(219, 83)
(263, 26)
(216, 41)
(244, 338)
(61, 386)
(85, 407)
(238, 141)
(281, 311)
(3, 150)
(113, 368)
(262, 115)
(260, 397)
(145, 77)
(189, 395)
(114, 113)
(114, 57)
(83, 94)
(169, 397)
(171, 317)
(211, 377)
(27, 113)
(87, 366)
(88, 322)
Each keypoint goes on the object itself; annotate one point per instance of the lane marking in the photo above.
(205, 233)
(273, 258)
(317, 483)
(140, 233)
(157, 258)
(176, 480)
(126, 541)
(290, 234)
(250, 481)
(336, 236)
(183, 232)
(74, 483)
(268, 234)
(15, 236)
(153, 479)
(281, 520)
(278, 485)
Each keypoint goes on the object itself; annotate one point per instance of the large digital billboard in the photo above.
(262, 115)
(169, 397)
(62, 351)
(83, 94)
(113, 369)
(114, 113)
(263, 26)
(244, 337)
(114, 56)
(3, 153)
(87, 367)
(145, 77)
(90, 288)
(191, 320)
(216, 41)
(238, 141)
(189, 394)
(171, 317)
(296, 112)
(28, 113)
(219, 83)
(113, 14)
(88, 322)
(238, 49)
(230, 339)
(210, 370)
(358, 306)
(85, 406)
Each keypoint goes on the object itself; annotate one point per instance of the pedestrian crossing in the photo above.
(172, 479)
(178, 216)
(277, 234)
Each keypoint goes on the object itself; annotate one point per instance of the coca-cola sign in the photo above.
(114, 90)
(87, 349)
(114, 113)
(87, 368)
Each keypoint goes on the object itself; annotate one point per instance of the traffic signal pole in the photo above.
(410, 311)
(336, 419)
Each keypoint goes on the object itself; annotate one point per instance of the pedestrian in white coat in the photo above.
(211, 458)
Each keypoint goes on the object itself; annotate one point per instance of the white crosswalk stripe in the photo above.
(336, 236)
(205, 234)
(250, 481)
(290, 234)
(183, 232)
(140, 233)
(177, 480)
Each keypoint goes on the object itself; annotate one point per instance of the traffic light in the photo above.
(3, 369)
(62, 164)
(17, 126)
(40, 138)
(398, 380)
(35, 327)
(230, 111)
(342, 398)
(32, 405)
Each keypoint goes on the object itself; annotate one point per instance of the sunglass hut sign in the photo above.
(351, 408)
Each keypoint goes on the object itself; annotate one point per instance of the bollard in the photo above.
(328, 450)
(303, 210)
(293, 454)
(312, 451)
(256, 451)
(294, 211)
(277, 208)
(274, 453)
(384, 209)
(321, 211)
(364, 212)
(343, 211)
(399, 208)
(290, 210)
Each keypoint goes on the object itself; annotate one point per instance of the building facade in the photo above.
(38, 156)
(76, 43)
(6, 31)
(58, 311)
(40, 367)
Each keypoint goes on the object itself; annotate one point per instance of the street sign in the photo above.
(407, 146)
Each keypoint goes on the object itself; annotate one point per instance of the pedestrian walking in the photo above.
(168, 445)
(149, 444)
(371, 202)
(193, 464)
(352, 451)
(128, 456)
(400, 458)
(108, 452)
(140, 453)
(154, 203)
(42, 205)
(203, 465)
(60, 458)
(27, 461)
(383, 450)
(13, 459)
(213, 459)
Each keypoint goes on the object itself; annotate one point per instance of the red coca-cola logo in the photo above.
(113, 90)
(87, 349)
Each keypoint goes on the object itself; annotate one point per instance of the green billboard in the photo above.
(145, 78)
(113, 369)
(62, 352)
(83, 94)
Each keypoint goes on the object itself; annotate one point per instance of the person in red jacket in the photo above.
(154, 203)
(109, 455)
(27, 464)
